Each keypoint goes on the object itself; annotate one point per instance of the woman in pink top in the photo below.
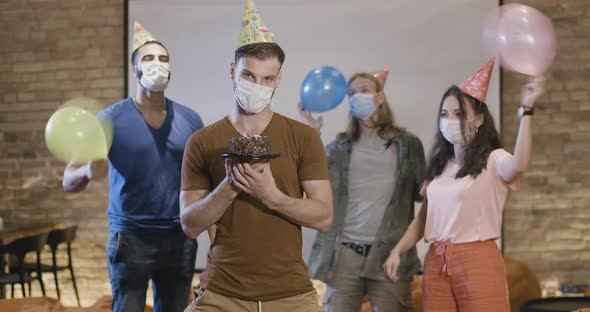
(467, 181)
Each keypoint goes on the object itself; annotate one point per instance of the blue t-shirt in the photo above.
(144, 167)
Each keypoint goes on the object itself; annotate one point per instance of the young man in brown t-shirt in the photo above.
(255, 261)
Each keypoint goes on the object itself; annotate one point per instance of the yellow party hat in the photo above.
(254, 30)
(141, 36)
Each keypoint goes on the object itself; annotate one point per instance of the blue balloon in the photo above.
(323, 89)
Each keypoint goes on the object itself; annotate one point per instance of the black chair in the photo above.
(557, 304)
(12, 279)
(20, 274)
(56, 238)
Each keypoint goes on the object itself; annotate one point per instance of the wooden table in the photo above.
(11, 232)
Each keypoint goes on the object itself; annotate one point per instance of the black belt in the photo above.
(361, 249)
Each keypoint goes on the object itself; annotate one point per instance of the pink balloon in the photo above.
(525, 40)
(491, 24)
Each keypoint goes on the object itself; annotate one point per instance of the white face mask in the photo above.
(252, 97)
(155, 76)
(451, 130)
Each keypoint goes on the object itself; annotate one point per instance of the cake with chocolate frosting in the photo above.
(253, 146)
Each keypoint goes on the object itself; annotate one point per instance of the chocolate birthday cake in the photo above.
(254, 146)
(248, 148)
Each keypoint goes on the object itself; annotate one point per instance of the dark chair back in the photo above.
(23, 246)
(66, 235)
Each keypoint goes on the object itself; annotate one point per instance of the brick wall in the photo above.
(54, 50)
(547, 222)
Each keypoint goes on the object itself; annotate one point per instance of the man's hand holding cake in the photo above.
(248, 167)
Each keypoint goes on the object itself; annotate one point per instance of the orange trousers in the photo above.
(465, 277)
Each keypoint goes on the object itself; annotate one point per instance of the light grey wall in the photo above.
(426, 44)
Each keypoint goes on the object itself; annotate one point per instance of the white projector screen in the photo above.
(427, 45)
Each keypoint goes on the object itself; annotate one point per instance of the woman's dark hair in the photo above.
(477, 150)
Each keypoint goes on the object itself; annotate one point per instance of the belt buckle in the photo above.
(362, 249)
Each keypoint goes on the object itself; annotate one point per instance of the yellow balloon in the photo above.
(107, 128)
(75, 135)
(93, 106)
(85, 102)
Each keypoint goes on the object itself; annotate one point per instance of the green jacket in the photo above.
(398, 215)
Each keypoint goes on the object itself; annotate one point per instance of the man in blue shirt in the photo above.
(146, 240)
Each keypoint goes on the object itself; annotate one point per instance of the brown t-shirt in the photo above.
(256, 254)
